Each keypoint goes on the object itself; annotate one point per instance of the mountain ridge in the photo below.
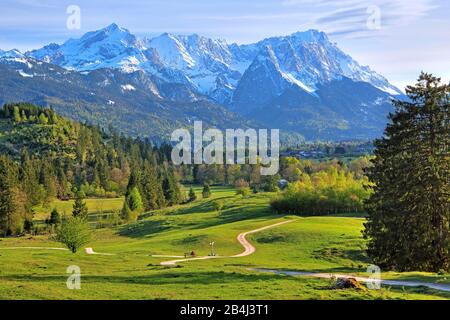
(286, 75)
(194, 54)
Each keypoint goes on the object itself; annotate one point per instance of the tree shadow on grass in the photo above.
(361, 272)
(162, 278)
(333, 254)
(202, 207)
(441, 279)
(143, 229)
(149, 228)
(238, 213)
(175, 277)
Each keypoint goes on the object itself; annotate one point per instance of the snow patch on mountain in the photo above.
(24, 74)
(172, 51)
(128, 87)
(15, 56)
(293, 80)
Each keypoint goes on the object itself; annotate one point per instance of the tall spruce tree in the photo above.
(408, 223)
(7, 204)
(152, 192)
(55, 217)
(171, 189)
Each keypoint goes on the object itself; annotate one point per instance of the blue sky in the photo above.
(411, 35)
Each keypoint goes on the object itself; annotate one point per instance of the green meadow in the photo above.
(95, 205)
(329, 244)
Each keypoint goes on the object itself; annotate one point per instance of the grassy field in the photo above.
(95, 205)
(330, 244)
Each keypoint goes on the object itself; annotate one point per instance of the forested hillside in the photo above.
(43, 156)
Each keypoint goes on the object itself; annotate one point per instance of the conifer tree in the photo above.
(206, 192)
(16, 115)
(152, 193)
(43, 119)
(23, 116)
(127, 214)
(55, 217)
(133, 181)
(192, 195)
(408, 224)
(134, 200)
(171, 189)
(29, 178)
(80, 209)
(7, 205)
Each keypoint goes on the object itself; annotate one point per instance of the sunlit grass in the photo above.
(95, 205)
(325, 244)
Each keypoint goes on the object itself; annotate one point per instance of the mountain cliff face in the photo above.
(301, 82)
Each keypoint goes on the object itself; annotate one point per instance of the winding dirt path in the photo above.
(248, 247)
(91, 251)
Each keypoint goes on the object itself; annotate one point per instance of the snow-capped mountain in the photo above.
(12, 55)
(206, 63)
(111, 47)
(262, 81)
(26, 67)
(285, 82)
(212, 67)
(310, 58)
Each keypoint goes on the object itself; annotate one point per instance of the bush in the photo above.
(241, 183)
(74, 233)
(270, 184)
(111, 194)
(217, 205)
(243, 192)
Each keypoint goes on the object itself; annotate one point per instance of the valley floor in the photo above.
(331, 244)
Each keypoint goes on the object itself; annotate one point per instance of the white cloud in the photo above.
(350, 17)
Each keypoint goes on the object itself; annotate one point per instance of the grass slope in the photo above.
(329, 244)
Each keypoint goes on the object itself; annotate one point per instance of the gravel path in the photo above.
(248, 247)
(437, 286)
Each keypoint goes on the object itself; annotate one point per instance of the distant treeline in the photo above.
(291, 169)
(313, 187)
